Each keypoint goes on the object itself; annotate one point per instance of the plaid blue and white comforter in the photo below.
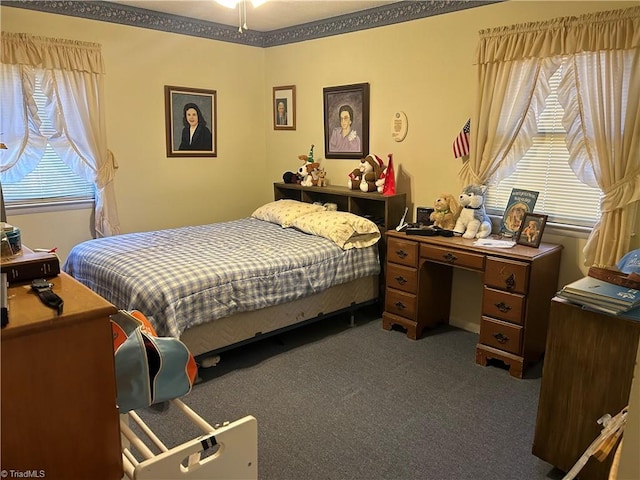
(187, 276)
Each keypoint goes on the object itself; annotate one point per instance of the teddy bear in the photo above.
(381, 180)
(473, 221)
(365, 176)
(355, 178)
(446, 210)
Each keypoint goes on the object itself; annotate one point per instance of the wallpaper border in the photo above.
(139, 17)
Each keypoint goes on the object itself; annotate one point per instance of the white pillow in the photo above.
(284, 212)
(345, 229)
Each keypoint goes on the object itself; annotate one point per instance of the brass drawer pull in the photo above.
(401, 280)
(401, 253)
(400, 305)
(510, 282)
(450, 257)
(503, 307)
(501, 338)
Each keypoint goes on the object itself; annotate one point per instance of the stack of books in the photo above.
(603, 296)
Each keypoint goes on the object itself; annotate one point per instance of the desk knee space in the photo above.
(518, 285)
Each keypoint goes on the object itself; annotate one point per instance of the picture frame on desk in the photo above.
(531, 229)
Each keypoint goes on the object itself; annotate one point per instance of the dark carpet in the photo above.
(350, 403)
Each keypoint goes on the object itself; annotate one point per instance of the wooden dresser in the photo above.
(587, 373)
(519, 283)
(59, 414)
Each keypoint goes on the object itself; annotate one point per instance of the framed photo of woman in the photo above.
(531, 229)
(284, 108)
(346, 121)
(190, 119)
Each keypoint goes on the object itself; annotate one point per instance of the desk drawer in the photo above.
(400, 303)
(503, 305)
(401, 277)
(458, 258)
(507, 275)
(502, 335)
(404, 252)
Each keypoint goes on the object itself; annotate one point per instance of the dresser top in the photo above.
(517, 252)
(27, 314)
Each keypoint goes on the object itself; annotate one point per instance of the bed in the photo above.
(220, 285)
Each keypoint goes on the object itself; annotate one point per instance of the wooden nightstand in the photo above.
(59, 413)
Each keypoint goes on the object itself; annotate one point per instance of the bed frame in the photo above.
(207, 341)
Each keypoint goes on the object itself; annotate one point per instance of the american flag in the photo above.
(461, 143)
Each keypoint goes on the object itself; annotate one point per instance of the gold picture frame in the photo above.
(182, 103)
(284, 107)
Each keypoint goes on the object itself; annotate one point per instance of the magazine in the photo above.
(520, 202)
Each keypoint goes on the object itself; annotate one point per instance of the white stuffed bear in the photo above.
(381, 180)
(473, 221)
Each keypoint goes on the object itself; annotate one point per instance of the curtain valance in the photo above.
(51, 53)
(609, 30)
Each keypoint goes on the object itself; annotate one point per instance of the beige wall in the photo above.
(154, 191)
(423, 67)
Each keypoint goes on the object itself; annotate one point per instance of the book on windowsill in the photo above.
(30, 265)
(520, 202)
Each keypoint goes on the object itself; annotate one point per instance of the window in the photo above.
(52, 181)
(545, 169)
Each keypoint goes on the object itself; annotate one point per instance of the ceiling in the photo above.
(272, 15)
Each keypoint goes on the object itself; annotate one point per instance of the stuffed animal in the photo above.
(322, 180)
(355, 177)
(473, 221)
(381, 180)
(310, 174)
(446, 210)
(309, 169)
(371, 167)
(291, 177)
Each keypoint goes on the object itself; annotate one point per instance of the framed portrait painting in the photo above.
(284, 108)
(531, 229)
(190, 119)
(346, 121)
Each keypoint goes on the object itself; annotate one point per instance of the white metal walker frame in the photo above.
(232, 450)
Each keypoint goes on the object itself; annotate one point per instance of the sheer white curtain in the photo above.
(514, 67)
(19, 122)
(72, 79)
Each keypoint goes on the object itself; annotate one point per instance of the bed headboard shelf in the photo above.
(385, 210)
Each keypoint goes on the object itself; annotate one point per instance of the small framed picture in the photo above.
(284, 108)
(346, 121)
(531, 229)
(190, 118)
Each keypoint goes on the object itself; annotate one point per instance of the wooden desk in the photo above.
(519, 283)
(59, 412)
(587, 373)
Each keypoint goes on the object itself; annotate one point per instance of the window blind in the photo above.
(52, 181)
(545, 169)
